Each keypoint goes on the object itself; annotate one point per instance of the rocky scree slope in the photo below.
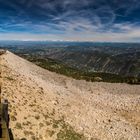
(45, 105)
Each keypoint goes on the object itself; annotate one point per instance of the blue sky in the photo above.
(71, 20)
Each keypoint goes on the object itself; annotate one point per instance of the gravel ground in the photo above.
(37, 97)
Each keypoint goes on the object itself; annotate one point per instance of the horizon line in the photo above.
(68, 41)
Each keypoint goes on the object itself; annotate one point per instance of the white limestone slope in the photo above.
(104, 111)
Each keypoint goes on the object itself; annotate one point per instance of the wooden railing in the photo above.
(4, 121)
(5, 133)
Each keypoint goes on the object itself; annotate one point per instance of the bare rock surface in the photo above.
(39, 98)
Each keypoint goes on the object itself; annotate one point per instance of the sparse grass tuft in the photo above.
(66, 132)
(13, 118)
(18, 125)
(9, 78)
(37, 117)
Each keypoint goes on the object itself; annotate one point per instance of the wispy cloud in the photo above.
(88, 20)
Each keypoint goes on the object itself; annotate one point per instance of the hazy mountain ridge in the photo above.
(127, 64)
(115, 58)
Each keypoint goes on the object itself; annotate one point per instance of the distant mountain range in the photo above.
(116, 58)
(122, 61)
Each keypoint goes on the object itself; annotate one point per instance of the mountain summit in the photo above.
(47, 106)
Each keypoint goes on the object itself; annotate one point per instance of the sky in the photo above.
(70, 20)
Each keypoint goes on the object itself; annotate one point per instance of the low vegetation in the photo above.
(9, 78)
(66, 131)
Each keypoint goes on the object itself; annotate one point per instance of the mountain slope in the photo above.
(125, 63)
(45, 105)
